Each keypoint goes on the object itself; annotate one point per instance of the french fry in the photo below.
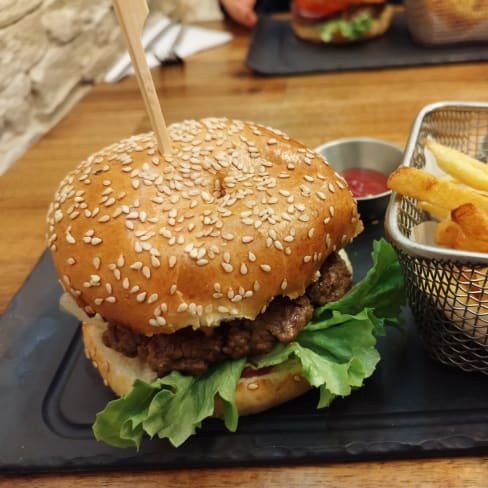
(464, 168)
(450, 234)
(438, 213)
(421, 185)
(472, 220)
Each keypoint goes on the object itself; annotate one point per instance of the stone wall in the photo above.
(51, 53)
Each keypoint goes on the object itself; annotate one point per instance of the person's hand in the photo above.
(242, 11)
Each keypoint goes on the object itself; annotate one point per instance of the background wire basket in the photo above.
(447, 21)
(447, 290)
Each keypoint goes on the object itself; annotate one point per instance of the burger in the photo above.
(340, 21)
(209, 281)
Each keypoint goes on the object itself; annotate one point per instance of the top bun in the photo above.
(236, 215)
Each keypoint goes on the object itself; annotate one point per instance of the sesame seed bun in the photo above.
(239, 213)
(253, 393)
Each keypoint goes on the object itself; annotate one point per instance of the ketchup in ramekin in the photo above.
(364, 182)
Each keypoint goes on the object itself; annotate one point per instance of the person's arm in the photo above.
(242, 11)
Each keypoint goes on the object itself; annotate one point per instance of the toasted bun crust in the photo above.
(378, 27)
(236, 215)
(253, 394)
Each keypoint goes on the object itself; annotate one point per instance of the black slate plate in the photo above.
(49, 394)
(275, 50)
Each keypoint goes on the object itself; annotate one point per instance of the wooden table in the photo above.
(312, 108)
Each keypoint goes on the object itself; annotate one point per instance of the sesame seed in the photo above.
(172, 261)
(251, 256)
(252, 386)
(265, 267)
(307, 259)
(228, 268)
(120, 261)
(152, 298)
(247, 239)
(71, 261)
(146, 272)
(160, 320)
(141, 297)
(182, 307)
(111, 299)
(222, 309)
(126, 284)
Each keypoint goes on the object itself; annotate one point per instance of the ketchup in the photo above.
(365, 182)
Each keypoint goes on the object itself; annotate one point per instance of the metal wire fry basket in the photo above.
(447, 22)
(447, 289)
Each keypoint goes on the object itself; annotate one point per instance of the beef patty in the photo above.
(192, 351)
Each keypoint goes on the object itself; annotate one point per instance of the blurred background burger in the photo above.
(340, 21)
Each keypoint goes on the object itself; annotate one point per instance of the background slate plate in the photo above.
(49, 395)
(275, 50)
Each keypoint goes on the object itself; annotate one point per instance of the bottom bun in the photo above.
(253, 393)
(378, 27)
(118, 371)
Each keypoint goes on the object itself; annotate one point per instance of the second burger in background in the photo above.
(340, 21)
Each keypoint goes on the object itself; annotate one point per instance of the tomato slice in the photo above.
(325, 8)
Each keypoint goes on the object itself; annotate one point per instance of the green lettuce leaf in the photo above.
(171, 407)
(351, 29)
(336, 351)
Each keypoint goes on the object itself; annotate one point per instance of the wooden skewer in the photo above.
(131, 15)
